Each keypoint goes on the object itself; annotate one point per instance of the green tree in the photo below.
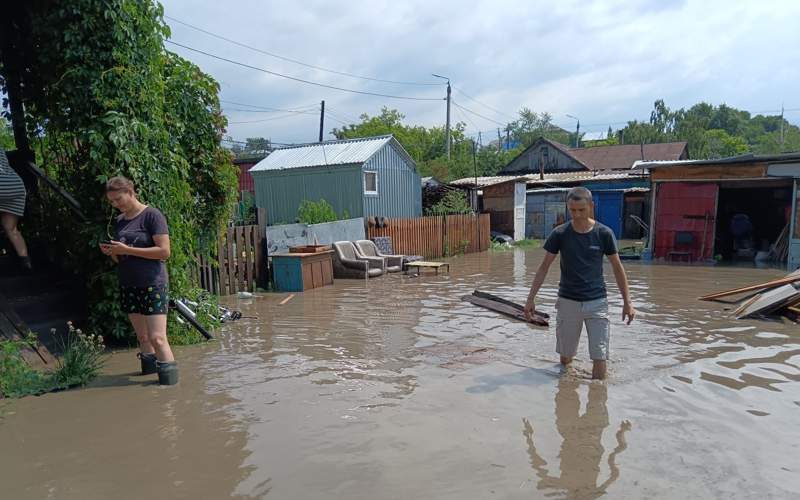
(6, 135)
(714, 131)
(531, 125)
(103, 98)
(718, 143)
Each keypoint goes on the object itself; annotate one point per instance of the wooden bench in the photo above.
(418, 265)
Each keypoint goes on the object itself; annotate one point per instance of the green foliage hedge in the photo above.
(105, 98)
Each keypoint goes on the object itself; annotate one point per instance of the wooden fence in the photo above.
(240, 260)
(436, 236)
(238, 264)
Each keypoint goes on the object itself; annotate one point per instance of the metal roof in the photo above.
(743, 159)
(328, 153)
(485, 181)
(562, 177)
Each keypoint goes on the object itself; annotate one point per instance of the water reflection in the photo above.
(582, 448)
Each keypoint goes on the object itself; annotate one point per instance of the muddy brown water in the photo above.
(397, 389)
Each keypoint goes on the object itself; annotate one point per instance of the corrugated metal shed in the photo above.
(336, 171)
(328, 153)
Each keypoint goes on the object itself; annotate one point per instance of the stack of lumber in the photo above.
(780, 249)
(780, 296)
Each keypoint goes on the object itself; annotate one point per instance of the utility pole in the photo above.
(499, 139)
(475, 164)
(781, 127)
(577, 130)
(508, 136)
(321, 119)
(447, 123)
(480, 139)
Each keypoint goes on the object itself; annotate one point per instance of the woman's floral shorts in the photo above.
(146, 300)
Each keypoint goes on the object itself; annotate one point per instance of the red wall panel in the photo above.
(681, 206)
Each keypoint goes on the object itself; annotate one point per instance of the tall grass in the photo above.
(83, 358)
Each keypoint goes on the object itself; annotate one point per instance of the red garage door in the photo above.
(683, 211)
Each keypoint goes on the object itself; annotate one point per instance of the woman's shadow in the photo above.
(582, 447)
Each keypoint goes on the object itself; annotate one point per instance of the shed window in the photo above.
(370, 182)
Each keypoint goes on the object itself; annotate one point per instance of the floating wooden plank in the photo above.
(287, 299)
(768, 302)
(791, 278)
(490, 296)
(505, 307)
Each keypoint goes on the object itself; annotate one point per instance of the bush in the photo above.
(454, 202)
(316, 212)
(17, 378)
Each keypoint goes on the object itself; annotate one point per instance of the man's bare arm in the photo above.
(538, 280)
(622, 282)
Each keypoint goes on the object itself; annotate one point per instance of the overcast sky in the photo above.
(604, 62)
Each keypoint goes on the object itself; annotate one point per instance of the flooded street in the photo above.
(396, 388)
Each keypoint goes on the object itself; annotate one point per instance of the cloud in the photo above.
(604, 62)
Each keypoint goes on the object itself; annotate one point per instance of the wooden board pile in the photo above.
(776, 297)
(780, 249)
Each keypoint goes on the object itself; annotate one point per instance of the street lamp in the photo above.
(447, 123)
(577, 129)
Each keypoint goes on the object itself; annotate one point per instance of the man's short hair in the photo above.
(579, 193)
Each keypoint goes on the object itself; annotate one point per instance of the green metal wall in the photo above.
(281, 191)
(399, 186)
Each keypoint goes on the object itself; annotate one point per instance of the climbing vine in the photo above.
(103, 97)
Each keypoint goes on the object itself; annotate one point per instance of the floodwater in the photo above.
(396, 388)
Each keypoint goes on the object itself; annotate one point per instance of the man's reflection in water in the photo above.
(582, 448)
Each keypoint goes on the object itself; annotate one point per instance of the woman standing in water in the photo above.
(12, 207)
(140, 248)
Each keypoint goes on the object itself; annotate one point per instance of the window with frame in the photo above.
(370, 182)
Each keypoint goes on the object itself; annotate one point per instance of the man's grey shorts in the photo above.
(572, 315)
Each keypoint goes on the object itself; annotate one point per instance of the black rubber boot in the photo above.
(148, 363)
(167, 372)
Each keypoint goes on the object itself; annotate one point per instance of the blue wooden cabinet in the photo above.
(296, 272)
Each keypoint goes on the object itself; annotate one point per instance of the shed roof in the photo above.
(557, 178)
(625, 155)
(731, 160)
(329, 153)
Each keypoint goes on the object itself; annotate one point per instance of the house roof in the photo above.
(615, 157)
(731, 160)
(329, 153)
(557, 178)
(623, 156)
(485, 181)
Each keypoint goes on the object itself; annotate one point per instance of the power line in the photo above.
(267, 119)
(309, 82)
(478, 114)
(271, 109)
(485, 105)
(236, 110)
(295, 61)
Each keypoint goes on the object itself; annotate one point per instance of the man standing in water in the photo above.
(582, 243)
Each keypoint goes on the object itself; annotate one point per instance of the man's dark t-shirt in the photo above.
(138, 232)
(581, 260)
